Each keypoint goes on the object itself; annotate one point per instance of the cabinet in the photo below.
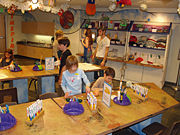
(41, 28)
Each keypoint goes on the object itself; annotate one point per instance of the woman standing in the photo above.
(87, 43)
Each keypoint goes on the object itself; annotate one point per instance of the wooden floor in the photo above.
(168, 118)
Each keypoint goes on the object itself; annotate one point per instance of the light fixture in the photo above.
(143, 7)
(34, 1)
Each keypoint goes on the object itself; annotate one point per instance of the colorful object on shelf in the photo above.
(15, 68)
(67, 19)
(139, 59)
(91, 7)
(7, 120)
(34, 111)
(122, 3)
(37, 67)
(132, 40)
(73, 107)
(12, 9)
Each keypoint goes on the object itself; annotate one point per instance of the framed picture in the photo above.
(49, 63)
(107, 90)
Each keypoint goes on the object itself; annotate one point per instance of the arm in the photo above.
(86, 44)
(86, 81)
(63, 85)
(105, 56)
(94, 54)
(61, 74)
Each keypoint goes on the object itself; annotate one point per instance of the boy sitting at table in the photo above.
(72, 78)
(109, 74)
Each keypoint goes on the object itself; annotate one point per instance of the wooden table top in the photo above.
(53, 121)
(107, 120)
(117, 117)
(27, 72)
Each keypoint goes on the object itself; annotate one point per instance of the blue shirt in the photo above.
(72, 82)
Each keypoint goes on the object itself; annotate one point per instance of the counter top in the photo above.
(120, 59)
(35, 44)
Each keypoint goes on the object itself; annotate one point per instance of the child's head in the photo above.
(63, 43)
(109, 74)
(8, 54)
(59, 34)
(71, 63)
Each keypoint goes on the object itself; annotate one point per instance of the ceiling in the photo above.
(135, 3)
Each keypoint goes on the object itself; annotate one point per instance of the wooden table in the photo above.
(107, 120)
(117, 117)
(46, 78)
(52, 122)
(20, 80)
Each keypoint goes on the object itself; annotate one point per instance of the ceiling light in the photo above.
(34, 1)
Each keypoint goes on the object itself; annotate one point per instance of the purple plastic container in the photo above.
(125, 101)
(36, 68)
(16, 69)
(7, 121)
(73, 108)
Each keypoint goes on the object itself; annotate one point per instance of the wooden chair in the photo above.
(35, 80)
(8, 95)
(158, 129)
(48, 95)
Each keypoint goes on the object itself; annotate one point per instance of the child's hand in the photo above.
(66, 95)
(87, 89)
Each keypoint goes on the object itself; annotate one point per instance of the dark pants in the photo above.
(101, 72)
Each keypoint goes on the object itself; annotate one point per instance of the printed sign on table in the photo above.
(107, 94)
(49, 63)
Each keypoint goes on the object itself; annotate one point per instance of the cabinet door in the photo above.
(29, 27)
(2, 26)
(45, 28)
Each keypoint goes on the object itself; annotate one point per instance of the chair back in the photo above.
(48, 95)
(175, 129)
(8, 95)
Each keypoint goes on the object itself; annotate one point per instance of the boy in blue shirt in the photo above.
(72, 78)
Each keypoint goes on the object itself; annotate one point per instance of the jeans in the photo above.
(101, 72)
(87, 55)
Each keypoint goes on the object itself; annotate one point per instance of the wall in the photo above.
(167, 15)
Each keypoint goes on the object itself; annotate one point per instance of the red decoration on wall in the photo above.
(12, 28)
(12, 45)
(61, 11)
(12, 40)
(12, 22)
(12, 34)
(67, 20)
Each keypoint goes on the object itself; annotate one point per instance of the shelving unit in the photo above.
(144, 72)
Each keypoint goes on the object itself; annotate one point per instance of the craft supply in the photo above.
(92, 101)
(34, 111)
(6, 119)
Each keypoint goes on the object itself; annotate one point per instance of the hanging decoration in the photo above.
(12, 9)
(122, 3)
(91, 7)
(67, 19)
(12, 32)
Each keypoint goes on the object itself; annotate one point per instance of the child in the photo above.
(56, 52)
(7, 60)
(109, 74)
(72, 78)
(63, 45)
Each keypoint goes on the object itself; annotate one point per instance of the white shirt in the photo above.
(102, 44)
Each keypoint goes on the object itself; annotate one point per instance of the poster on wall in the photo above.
(107, 90)
(49, 63)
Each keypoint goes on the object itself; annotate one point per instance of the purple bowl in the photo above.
(125, 101)
(7, 121)
(16, 69)
(73, 108)
(36, 68)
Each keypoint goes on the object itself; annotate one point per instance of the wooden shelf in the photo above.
(120, 59)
